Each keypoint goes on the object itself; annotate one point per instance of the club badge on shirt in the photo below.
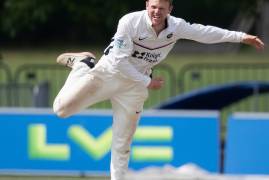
(120, 43)
(169, 36)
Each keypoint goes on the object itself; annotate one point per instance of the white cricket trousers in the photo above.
(85, 87)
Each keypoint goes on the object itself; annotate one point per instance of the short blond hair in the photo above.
(170, 1)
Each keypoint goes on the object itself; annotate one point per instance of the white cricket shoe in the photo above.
(69, 59)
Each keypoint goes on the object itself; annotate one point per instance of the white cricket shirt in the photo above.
(136, 48)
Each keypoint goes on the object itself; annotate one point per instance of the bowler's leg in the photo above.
(124, 126)
(126, 109)
(80, 90)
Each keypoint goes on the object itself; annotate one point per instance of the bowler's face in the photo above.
(158, 11)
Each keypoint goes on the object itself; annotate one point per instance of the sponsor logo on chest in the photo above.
(147, 56)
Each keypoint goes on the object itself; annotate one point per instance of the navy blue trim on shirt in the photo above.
(152, 48)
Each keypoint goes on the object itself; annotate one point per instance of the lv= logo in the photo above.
(98, 147)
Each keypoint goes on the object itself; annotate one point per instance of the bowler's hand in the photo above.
(156, 83)
(253, 41)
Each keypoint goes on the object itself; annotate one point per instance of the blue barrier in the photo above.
(247, 144)
(38, 141)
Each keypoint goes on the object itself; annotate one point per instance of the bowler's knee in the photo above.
(60, 110)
